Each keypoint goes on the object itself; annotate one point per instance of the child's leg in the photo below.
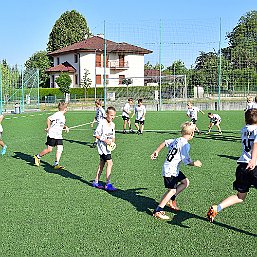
(183, 185)
(58, 154)
(99, 170)
(142, 127)
(108, 170)
(2, 143)
(210, 127)
(46, 151)
(136, 124)
(125, 124)
(166, 197)
(218, 126)
(233, 199)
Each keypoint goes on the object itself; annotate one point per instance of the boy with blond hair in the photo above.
(55, 126)
(192, 113)
(105, 135)
(4, 146)
(174, 180)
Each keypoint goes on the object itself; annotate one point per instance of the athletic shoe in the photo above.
(110, 187)
(58, 167)
(132, 131)
(4, 150)
(207, 133)
(124, 132)
(199, 132)
(212, 213)
(97, 185)
(161, 215)
(36, 160)
(94, 144)
(220, 133)
(173, 205)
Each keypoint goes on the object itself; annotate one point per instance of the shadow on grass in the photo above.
(182, 216)
(226, 136)
(89, 144)
(47, 167)
(229, 157)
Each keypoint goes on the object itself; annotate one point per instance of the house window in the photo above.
(58, 60)
(76, 79)
(98, 79)
(121, 60)
(121, 77)
(75, 58)
(98, 60)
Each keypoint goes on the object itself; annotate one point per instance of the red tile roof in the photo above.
(62, 68)
(97, 43)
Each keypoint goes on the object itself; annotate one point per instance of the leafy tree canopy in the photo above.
(64, 82)
(70, 28)
(40, 61)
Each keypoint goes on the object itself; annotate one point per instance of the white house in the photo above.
(122, 61)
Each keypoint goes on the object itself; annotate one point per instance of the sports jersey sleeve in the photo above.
(99, 130)
(185, 154)
(168, 142)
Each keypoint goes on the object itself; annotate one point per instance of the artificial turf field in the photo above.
(45, 212)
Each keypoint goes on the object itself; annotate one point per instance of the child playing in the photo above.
(174, 180)
(215, 119)
(250, 103)
(140, 116)
(246, 171)
(4, 146)
(55, 126)
(192, 114)
(125, 116)
(105, 135)
(99, 115)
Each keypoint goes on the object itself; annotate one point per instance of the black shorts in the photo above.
(142, 122)
(125, 118)
(53, 142)
(194, 120)
(105, 157)
(245, 178)
(172, 182)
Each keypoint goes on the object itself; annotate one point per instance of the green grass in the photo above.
(57, 213)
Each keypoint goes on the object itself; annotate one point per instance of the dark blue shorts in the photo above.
(172, 182)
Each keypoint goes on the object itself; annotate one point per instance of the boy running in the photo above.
(174, 180)
(215, 119)
(246, 171)
(55, 126)
(125, 116)
(105, 135)
(3, 145)
(140, 112)
(192, 112)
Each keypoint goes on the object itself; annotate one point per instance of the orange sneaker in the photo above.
(212, 213)
(173, 205)
(161, 215)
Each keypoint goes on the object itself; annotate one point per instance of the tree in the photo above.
(70, 28)
(177, 68)
(86, 81)
(40, 61)
(64, 82)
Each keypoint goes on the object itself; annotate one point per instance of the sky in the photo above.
(26, 24)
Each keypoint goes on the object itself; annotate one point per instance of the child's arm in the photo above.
(195, 163)
(252, 163)
(48, 124)
(1, 117)
(155, 154)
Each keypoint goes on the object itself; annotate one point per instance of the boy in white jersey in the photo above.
(140, 112)
(215, 119)
(3, 145)
(246, 171)
(105, 133)
(249, 103)
(125, 116)
(174, 180)
(99, 115)
(192, 112)
(55, 126)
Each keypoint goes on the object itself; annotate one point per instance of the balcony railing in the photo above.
(118, 65)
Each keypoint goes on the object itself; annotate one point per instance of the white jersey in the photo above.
(192, 112)
(251, 105)
(215, 118)
(126, 110)
(249, 137)
(107, 131)
(178, 151)
(100, 114)
(57, 125)
(1, 128)
(140, 112)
